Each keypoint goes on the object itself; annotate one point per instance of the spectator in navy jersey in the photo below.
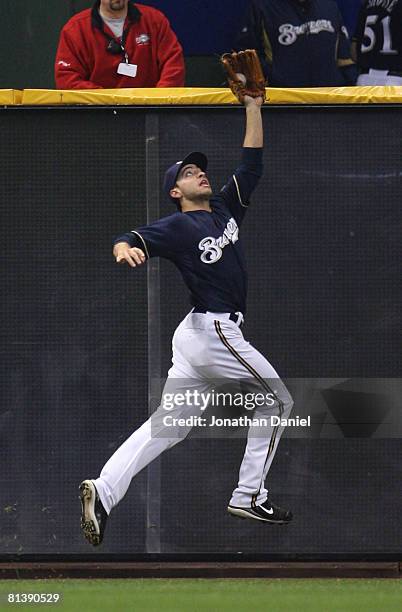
(301, 43)
(377, 43)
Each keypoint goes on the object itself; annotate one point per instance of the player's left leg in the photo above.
(239, 360)
(250, 498)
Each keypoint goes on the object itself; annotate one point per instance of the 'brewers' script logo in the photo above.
(289, 32)
(212, 247)
(142, 39)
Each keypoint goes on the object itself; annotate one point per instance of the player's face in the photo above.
(192, 183)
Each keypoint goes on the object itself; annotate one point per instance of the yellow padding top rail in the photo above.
(197, 95)
(10, 97)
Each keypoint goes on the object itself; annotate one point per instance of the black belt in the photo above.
(233, 316)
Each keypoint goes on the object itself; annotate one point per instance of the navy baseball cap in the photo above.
(197, 158)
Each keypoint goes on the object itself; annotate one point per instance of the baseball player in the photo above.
(203, 240)
(377, 43)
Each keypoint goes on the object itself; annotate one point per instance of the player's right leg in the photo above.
(230, 356)
(160, 432)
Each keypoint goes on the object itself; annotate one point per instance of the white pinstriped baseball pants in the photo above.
(205, 346)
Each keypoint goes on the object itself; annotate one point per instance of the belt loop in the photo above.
(240, 319)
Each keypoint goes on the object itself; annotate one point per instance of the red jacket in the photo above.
(83, 62)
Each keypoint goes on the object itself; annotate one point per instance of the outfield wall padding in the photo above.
(323, 244)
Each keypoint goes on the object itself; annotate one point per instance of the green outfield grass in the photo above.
(182, 595)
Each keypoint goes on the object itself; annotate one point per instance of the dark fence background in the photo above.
(323, 243)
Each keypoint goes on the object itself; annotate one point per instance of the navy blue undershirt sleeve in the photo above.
(343, 48)
(237, 191)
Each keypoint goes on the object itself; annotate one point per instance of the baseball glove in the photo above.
(244, 74)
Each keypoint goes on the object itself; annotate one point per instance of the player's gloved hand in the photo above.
(244, 74)
(132, 255)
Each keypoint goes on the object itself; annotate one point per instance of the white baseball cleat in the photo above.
(266, 512)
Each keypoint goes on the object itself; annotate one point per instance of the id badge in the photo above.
(129, 70)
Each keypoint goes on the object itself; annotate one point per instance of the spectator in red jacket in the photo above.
(118, 43)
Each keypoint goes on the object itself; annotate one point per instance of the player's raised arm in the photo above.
(247, 82)
(254, 137)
